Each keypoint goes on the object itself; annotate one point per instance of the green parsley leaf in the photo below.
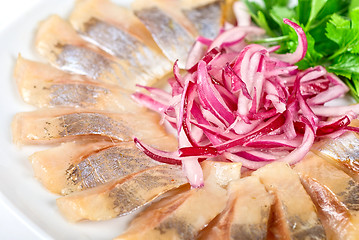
(331, 27)
(353, 5)
(269, 4)
(346, 65)
(278, 13)
(303, 11)
(316, 6)
(345, 33)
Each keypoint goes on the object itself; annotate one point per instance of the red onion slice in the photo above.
(246, 104)
(301, 50)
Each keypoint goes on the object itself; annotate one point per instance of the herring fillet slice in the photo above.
(342, 186)
(171, 30)
(69, 52)
(342, 151)
(45, 86)
(333, 214)
(293, 215)
(122, 196)
(75, 166)
(246, 214)
(183, 215)
(51, 126)
(206, 16)
(118, 31)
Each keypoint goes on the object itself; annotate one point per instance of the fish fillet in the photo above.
(69, 52)
(170, 29)
(344, 188)
(333, 214)
(183, 215)
(246, 214)
(45, 86)
(293, 215)
(122, 196)
(116, 30)
(50, 126)
(76, 166)
(205, 15)
(342, 151)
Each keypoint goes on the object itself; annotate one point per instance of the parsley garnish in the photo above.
(332, 29)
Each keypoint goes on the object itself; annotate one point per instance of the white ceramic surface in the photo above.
(27, 210)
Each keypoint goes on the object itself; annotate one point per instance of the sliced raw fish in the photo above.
(69, 52)
(45, 86)
(121, 196)
(206, 16)
(119, 32)
(170, 29)
(246, 214)
(76, 166)
(342, 151)
(333, 214)
(49, 126)
(183, 215)
(294, 215)
(345, 188)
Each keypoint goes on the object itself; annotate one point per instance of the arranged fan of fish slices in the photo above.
(96, 59)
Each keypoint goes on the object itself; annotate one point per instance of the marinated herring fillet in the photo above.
(206, 16)
(246, 214)
(342, 151)
(61, 125)
(183, 215)
(122, 196)
(75, 166)
(42, 85)
(333, 214)
(69, 52)
(343, 187)
(119, 32)
(170, 29)
(293, 215)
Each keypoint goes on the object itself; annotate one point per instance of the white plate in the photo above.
(20, 192)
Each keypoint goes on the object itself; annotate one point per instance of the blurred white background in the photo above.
(10, 10)
(12, 228)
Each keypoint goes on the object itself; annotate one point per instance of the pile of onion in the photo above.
(244, 103)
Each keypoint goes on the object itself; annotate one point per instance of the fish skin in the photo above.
(116, 30)
(171, 28)
(178, 216)
(69, 52)
(342, 151)
(113, 14)
(246, 214)
(51, 126)
(75, 95)
(106, 165)
(122, 196)
(294, 213)
(333, 214)
(82, 56)
(168, 28)
(62, 169)
(344, 188)
(45, 86)
(339, 182)
(125, 47)
(84, 61)
(206, 18)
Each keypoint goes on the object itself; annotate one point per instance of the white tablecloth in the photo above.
(11, 228)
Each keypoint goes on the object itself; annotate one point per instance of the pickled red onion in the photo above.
(245, 103)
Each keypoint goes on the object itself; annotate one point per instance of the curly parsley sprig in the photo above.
(332, 29)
